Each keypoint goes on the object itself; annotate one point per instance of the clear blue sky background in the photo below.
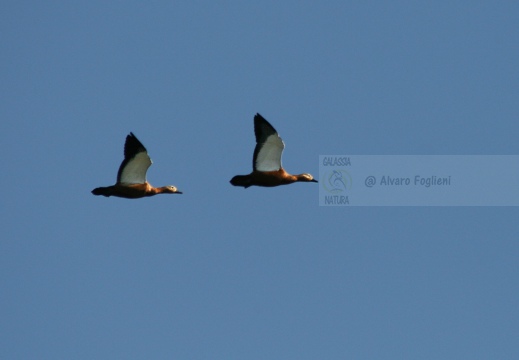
(225, 273)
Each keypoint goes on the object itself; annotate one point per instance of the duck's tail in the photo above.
(101, 191)
(241, 180)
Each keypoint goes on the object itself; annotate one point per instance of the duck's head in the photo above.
(170, 189)
(306, 178)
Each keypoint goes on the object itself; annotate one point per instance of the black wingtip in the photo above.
(132, 146)
(133, 137)
(262, 128)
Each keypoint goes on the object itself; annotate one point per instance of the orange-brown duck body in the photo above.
(267, 170)
(134, 191)
(131, 177)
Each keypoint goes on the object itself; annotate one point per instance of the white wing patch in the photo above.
(135, 171)
(269, 156)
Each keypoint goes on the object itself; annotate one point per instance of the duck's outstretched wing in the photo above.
(135, 164)
(269, 146)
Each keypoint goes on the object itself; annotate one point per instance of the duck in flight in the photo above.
(131, 177)
(266, 162)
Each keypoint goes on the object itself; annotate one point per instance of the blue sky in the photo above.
(225, 273)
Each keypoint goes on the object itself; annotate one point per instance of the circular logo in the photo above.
(336, 181)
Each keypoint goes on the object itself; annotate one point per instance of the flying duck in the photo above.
(266, 162)
(131, 177)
